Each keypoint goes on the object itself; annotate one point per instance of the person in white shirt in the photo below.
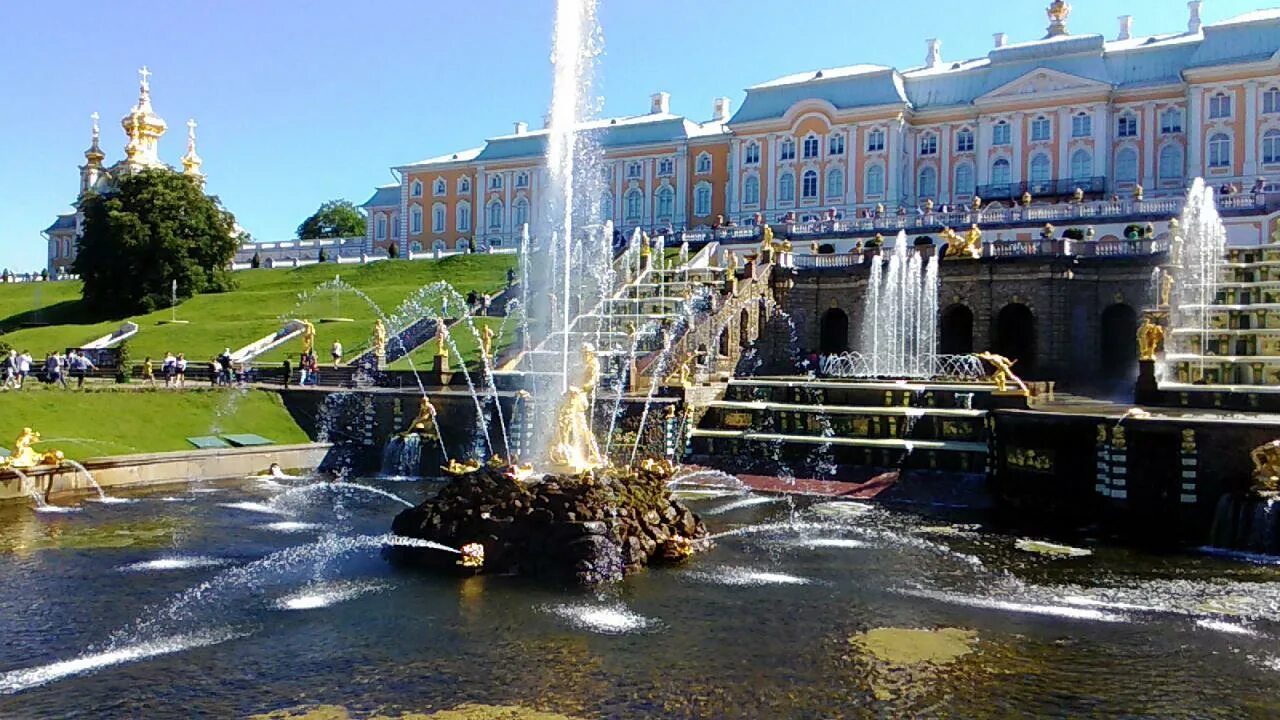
(24, 367)
(336, 352)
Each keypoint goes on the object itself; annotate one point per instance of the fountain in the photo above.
(900, 320)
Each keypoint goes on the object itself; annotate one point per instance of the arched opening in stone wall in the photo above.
(722, 346)
(1015, 337)
(833, 333)
(1119, 346)
(955, 331)
(744, 328)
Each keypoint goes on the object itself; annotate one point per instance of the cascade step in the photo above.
(905, 411)
(881, 443)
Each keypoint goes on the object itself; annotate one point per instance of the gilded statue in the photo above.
(1175, 243)
(766, 241)
(425, 423)
(1078, 196)
(1137, 193)
(967, 246)
(24, 456)
(486, 342)
(977, 203)
(442, 337)
(1275, 236)
(1004, 371)
(1150, 339)
(574, 447)
(1166, 288)
(379, 338)
(590, 368)
(308, 337)
(1266, 468)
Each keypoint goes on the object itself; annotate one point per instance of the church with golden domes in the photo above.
(143, 129)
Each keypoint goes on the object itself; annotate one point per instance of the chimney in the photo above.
(522, 128)
(720, 109)
(659, 103)
(1126, 27)
(1193, 24)
(933, 57)
(1000, 39)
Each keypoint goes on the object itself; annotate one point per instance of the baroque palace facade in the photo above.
(1043, 117)
(143, 129)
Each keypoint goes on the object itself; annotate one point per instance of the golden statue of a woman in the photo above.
(486, 342)
(379, 338)
(1150, 339)
(425, 423)
(442, 337)
(308, 337)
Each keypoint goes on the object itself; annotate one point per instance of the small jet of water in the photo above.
(325, 594)
(740, 576)
(174, 563)
(604, 619)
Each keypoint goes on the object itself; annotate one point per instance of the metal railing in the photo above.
(863, 365)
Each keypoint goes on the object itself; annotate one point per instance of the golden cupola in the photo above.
(94, 155)
(191, 162)
(143, 127)
(1058, 12)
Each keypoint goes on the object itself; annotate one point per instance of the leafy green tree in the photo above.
(336, 218)
(152, 229)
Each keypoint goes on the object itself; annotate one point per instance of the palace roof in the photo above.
(384, 196)
(66, 221)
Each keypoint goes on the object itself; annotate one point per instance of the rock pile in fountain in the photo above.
(589, 529)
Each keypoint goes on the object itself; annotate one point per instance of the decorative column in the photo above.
(944, 166)
(1195, 133)
(1015, 136)
(1101, 141)
(1250, 129)
(1149, 137)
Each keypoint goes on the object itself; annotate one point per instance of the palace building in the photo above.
(1044, 117)
(143, 129)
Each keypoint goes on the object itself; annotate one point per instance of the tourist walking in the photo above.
(169, 368)
(80, 366)
(288, 371)
(180, 369)
(53, 370)
(24, 367)
(336, 352)
(9, 370)
(224, 367)
(148, 371)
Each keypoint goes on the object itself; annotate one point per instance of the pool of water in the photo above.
(231, 599)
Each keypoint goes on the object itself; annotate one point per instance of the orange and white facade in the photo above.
(1045, 117)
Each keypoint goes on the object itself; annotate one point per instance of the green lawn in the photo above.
(262, 302)
(424, 356)
(97, 423)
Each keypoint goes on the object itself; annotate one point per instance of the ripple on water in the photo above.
(613, 619)
(844, 543)
(1223, 626)
(842, 509)
(257, 507)
(174, 563)
(745, 502)
(322, 595)
(109, 500)
(291, 526)
(1069, 612)
(56, 509)
(743, 576)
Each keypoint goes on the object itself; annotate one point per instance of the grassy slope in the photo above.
(117, 422)
(263, 300)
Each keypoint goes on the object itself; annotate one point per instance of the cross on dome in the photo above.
(144, 73)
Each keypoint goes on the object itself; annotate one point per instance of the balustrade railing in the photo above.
(934, 366)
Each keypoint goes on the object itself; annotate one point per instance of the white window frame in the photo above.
(927, 190)
(1178, 169)
(703, 163)
(666, 167)
(807, 178)
(439, 218)
(811, 149)
(751, 153)
(491, 215)
(1001, 162)
(783, 195)
(875, 140)
(1041, 129)
(464, 185)
(875, 183)
(1001, 134)
(702, 199)
(495, 181)
(1217, 157)
(520, 212)
(928, 144)
(1270, 154)
(634, 205)
(439, 188)
(415, 220)
(964, 140)
(787, 149)
(972, 180)
(749, 197)
(664, 203)
(1081, 125)
(835, 144)
(1127, 125)
(635, 170)
(835, 183)
(380, 227)
(1270, 101)
(462, 216)
(1126, 165)
(1220, 106)
(395, 226)
(1040, 161)
(522, 179)
(415, 189)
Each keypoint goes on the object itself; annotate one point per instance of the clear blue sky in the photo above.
(300, 102)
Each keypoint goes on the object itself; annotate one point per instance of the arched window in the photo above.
(1039, 175)
(928, 187)
(1271, 101)
(1171, 162)
(751, 190)
(1081, 165)
(606, 206)
(811, 146)
(1220, 106)
(875, 140)
(964, 140)
(1000, 173)
(809, 184)
(495, 215)
(704, 163)
(1171, 121)
(521, 212)
(702, 200)
(463, 218)
(1271, 147)
(1001, 133)
(395, 225)
(787, 187)
(835, 183)
(439, 187)
(666, 167)
(875, 180)
(835, 144)
(415, 219)
(787, 149)
(1127, 166)
(1081, 125)
(928, 144)
(666, 202)
(415, 246)
(964, 179)
(1040, 129)
(438, 214)
(438, 246)
(464, 185)
(752, 154)
(460, 245)
(415, 190)
(1220, 151)
(522, 180)
(380, 227)
(635, 204)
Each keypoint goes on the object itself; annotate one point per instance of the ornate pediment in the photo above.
(1043, 81)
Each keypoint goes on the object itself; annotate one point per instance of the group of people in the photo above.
(17, 367)
(479, 303)
(173, 368)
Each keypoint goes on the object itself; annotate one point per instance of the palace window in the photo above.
(1039, 175)
(521, 212)
(964, 179)
(1000, 173)
(606, 206)
(964, 140)
(835, 183)
(1001, 134)
(875, 180)
(1082, 125)
(1127, 126)
(666, 167)
(495, 215)
(704, 163)
(464, 185)
(811, 146)
(395, 226)
(1127, 166)
(415, 190)
(380, 227)
(787, 187)
(635, 204)
(438, 215)
(1171, 162)
(928, 187)
(666, 201)
(463, 217)
(1271, 147)
(415, 219)
(702, 200)
(439, 187)
(835, 144)
(787, 149)
(809, 185)
(928, 144)
(1220, 151)
(522, 180)
(1170, 121)
(751, 191)
(1220, 106)
(635, 169)
(752, 154)
(1040, 130)
(875, 140)
(1271, 101)
(495, 182)
(1081, 165)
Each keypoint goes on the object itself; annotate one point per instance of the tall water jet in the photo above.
(900, 316)
(1198, 271)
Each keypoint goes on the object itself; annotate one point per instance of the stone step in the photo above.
(847, 409)
(881, 443)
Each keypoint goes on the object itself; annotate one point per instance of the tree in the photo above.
(322, 257)
(154, 228)
(336, 218)
(393, 251)
(256, 262)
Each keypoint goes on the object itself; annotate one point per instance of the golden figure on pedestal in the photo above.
(442, 337)
(486, 342)
(574, 448)
(24, 456)
(379, 338)
(1004, 371)
(968, 246)
(1266, 468)
(1166, 288)
(308, 337)
(425, 424)
(1150, 339)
